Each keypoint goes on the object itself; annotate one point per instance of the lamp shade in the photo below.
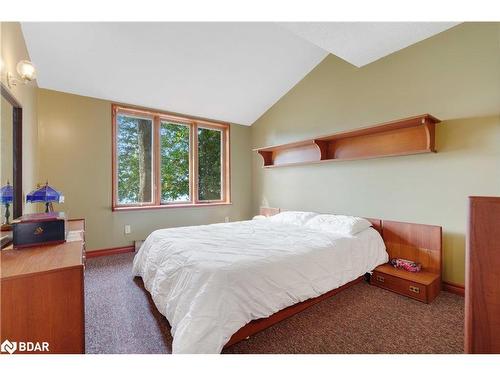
(45, 194)
(6, 194)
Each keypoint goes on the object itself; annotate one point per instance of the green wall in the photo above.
(454, 76)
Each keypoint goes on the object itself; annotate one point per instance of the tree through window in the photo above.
(134, 149)
(163, 160)
(174, 148)
(209, 164)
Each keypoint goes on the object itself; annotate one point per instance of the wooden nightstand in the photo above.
(422, 286)
(420, 243)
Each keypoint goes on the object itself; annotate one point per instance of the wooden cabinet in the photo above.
(42, 294)
(482, 276)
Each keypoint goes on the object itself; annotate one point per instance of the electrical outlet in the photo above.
(127, 229)
(226, 219)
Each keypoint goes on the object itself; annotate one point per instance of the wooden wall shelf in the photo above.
(414, 135)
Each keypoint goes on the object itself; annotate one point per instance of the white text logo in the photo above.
(24, 346)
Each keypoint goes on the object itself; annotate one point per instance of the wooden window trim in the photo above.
(193, 123)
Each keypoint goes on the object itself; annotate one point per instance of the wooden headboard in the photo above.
(417, 242)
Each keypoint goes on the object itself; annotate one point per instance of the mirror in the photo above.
(7, 157)
(11, 155)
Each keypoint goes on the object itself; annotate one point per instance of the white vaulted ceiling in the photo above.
(225, 71)
(361, 43)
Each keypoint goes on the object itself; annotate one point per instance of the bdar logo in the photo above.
(23, 346)
(9, 347)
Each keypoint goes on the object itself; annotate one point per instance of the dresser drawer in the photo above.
(45, 307)
(405, 287)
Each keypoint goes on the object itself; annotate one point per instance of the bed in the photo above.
(214, 282)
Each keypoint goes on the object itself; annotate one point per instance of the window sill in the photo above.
(181, 205)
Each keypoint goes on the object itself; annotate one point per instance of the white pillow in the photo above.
(259, 217)
(293, 217)
(345, 225)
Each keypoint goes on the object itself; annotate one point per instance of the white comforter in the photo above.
(211, 280)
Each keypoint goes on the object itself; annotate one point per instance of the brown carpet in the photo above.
(121, 318)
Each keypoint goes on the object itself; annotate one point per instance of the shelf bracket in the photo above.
(323, 148)
(267, 156)
(430, 129)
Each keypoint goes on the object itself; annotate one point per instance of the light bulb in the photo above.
(26, 70)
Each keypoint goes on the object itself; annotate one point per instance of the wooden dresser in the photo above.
(482, 276)
(42, 295)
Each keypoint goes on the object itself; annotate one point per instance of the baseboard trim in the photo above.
(454, 288)
(110, 251)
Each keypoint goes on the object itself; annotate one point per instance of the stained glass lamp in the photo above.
(6, 196)
(46, 195)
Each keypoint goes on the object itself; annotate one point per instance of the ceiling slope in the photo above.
(226, 71)
(361, 43)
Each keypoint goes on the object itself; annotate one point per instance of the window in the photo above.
(134, 155)
(209, 164)
(160, 160)
(174, 150)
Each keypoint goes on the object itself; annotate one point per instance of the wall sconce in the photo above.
(26, 71)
